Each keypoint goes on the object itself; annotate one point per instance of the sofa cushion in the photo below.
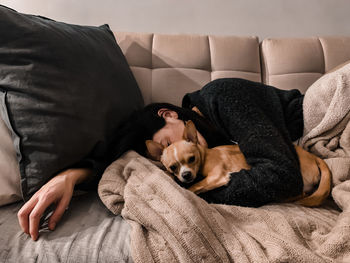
(167, 67)
(64, 90)
(10, 190)
(336, 50)
(235, 57)
(289, 63)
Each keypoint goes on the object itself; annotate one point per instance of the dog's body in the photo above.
(186, 158)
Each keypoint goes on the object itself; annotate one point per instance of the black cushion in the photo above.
(64, 91)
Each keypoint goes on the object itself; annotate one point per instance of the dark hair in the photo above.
(144, 123)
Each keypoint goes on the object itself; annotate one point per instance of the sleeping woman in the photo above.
(263, 120)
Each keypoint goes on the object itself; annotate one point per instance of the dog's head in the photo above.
(181, 158)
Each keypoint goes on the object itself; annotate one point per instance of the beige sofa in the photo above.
(166, 67)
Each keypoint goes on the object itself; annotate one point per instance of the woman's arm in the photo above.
(58, 191)
(253, 115)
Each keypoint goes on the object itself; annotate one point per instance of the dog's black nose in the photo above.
(187, 176)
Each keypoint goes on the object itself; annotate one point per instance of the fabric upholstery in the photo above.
(336, 51)
(233, 56)
(187, 51)
(137, 48)
(290, 63)
(286, 63)
(10, 190)
(87, 232)
(168, 66)
(169, 85)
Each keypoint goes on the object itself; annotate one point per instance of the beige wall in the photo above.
(263, 18)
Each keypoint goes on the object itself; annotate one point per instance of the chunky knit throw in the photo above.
(171, 224)
(327, 129)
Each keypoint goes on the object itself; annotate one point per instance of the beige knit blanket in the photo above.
(326, 110)
(171, 224)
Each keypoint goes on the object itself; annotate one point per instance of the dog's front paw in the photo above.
(196, 189)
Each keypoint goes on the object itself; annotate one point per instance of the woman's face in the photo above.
(173, 129)
(171, 132)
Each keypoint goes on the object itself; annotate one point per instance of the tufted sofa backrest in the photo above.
(168, 66)
(290, 63)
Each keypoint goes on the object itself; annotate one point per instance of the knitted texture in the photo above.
(263, 120)
(327, 129)
(171, 224)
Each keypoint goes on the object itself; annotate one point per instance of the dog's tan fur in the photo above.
(216, 165)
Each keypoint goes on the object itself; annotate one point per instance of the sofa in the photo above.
(166, 67)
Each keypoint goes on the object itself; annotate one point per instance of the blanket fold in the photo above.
(326, 122)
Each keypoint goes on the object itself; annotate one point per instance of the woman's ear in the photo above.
(166, 113)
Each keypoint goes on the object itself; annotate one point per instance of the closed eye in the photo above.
(191, 159)
(173, 167)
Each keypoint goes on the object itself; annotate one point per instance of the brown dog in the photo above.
(186, 158)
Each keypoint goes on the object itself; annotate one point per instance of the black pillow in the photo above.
(64, 91)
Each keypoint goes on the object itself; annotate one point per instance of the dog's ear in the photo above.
(154, 149)
(190, 132)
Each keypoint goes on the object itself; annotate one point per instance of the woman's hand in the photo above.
(59, 191)
(197, 110)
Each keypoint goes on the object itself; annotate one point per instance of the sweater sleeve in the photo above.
(254, 118)
(97, 167)
(96, 161)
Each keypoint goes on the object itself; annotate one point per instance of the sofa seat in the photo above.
(87, 232)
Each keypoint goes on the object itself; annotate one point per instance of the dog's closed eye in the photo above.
(173, 167)
(191, 159)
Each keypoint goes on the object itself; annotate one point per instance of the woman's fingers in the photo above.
(24, 212)
(35, 215)
(59, 210)
(30, 214)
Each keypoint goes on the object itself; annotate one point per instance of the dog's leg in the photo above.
(324, 188)
(212, 181)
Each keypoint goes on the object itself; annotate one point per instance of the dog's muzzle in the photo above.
(187, 177)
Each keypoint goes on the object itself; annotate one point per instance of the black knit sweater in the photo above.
(263, 120)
